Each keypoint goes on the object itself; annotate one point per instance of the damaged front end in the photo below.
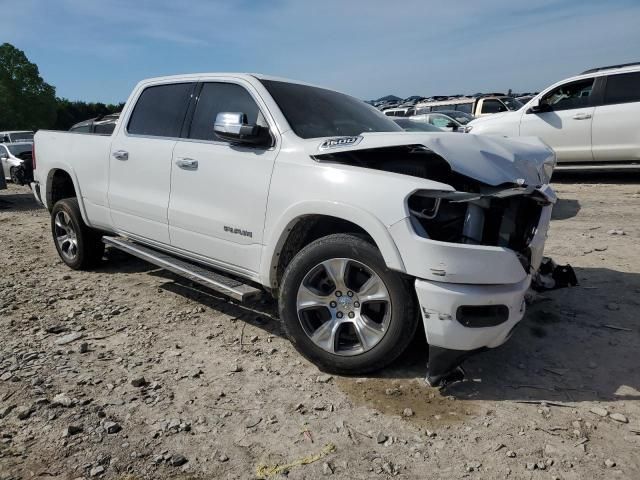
(472, 241)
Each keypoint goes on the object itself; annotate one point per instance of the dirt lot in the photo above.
(128, 372)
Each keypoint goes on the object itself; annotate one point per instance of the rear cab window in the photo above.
(493, 106)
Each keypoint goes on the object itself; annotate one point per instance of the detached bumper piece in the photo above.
(444, 366)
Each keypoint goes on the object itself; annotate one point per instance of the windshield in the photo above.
(21, 136)
(19, 149)
(409, 125)
(316, 112)
(512, 103)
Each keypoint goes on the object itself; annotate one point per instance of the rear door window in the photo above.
(160, 110)
(623, 88)
(217, 97)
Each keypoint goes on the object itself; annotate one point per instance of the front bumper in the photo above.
(440, 307)
(453, 334)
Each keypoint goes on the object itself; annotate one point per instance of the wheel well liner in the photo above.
(59, 186)
(305, 230)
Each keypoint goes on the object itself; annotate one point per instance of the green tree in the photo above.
(26, 100)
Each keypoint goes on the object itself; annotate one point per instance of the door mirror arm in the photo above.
(540, 108)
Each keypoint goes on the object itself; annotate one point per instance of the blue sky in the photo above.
(96, 50)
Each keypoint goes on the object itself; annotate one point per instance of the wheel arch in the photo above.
(303, 224)
(62, 183)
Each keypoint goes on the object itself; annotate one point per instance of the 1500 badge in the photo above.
(238, 231)
(340, 142)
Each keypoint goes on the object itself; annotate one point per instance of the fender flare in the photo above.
(76, 186)
(277, 234)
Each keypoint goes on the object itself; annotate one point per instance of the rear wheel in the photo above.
(343, 308)
(13, 173)
(79, 246)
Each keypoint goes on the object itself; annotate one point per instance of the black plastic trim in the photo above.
(479, 316)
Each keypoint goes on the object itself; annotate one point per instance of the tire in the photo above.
(377, 306)
(79, 247)
(13, 173)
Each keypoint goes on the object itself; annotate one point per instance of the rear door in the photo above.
(219, 190)
(140, 161)
(616, 121)
(567, 126)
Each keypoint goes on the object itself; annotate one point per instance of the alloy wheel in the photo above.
(344, 307)
(66, 236)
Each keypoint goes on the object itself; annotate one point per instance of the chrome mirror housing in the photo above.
(233, 127)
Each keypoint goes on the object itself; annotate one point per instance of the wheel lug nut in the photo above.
(339, 314)
(351, 314)
(356, 304)
(333, 304)
(338, 293)
(350, 293)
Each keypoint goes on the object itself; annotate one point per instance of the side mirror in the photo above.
(452, 125)
(233, 127)
(540, 108)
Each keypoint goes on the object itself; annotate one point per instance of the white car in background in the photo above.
(592, 117)
(13, 136)
(15, 159)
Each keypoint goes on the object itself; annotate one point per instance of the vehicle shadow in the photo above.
(262, 313)
(18, 202)
(574, 344)
(117, 261)
(565, 208)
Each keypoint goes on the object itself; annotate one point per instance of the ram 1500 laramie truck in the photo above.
(251, 184)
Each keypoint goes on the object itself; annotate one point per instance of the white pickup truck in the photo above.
(251, 184)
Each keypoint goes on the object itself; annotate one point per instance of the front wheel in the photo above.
(79, 246)
(343, 309)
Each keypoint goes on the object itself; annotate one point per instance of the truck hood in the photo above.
(490, 160)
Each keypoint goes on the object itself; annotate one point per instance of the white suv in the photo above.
(593, 117)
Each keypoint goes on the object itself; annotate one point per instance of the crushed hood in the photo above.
(490, 160)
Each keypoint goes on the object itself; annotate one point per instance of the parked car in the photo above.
(449, 120)
(399, 111)
(592, 117)
(253, 185)
(408, 124)
(14, 136)
(16, 161)
(103, 125)
(476, 106)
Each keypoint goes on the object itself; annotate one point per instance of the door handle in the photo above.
(121, 155)
(582, 116)
(187, 163)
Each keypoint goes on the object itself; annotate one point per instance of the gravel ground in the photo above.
(128, 372)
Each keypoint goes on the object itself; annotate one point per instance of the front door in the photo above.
(219, 190)
(140, 161)
(566, 127)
